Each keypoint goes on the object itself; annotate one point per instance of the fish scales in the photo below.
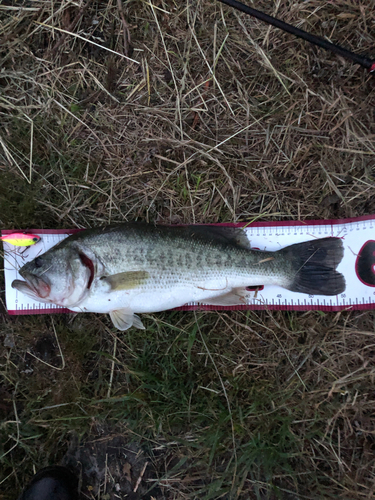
(171, 258)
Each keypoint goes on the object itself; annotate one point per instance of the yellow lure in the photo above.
(21, 239)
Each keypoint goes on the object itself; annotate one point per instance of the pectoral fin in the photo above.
(237, 296)
(127, 280)
(125, 318)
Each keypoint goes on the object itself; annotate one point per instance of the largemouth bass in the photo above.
(140, 268)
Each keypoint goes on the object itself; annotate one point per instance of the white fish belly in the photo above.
(149, 299)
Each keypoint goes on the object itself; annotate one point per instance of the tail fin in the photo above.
(314, 266)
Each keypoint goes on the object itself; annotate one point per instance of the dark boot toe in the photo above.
(52, 483)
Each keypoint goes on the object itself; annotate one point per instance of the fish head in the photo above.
(60, 276)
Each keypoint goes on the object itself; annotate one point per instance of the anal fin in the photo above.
(237, 296)
(123, 319)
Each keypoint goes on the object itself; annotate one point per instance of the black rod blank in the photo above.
(316, 40)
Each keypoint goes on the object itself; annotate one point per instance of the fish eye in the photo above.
(38, 262)
(35, 239)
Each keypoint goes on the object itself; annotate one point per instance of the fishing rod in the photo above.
(363, 61)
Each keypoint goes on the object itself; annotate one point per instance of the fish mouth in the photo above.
(33, 286)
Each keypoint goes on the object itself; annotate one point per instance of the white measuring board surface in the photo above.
(357, 266)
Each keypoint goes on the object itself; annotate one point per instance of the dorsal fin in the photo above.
(234, 236)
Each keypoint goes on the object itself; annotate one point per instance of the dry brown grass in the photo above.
(221, 119)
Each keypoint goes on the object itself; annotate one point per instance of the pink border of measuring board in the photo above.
(253, 307)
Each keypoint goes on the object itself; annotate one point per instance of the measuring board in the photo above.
(357, 265)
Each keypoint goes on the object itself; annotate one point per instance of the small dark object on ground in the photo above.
(52, 483)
